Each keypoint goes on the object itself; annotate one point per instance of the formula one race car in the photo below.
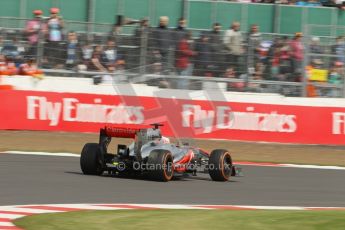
(153, 155)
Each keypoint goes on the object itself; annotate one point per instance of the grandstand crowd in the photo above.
(328, 3)
(223, 51)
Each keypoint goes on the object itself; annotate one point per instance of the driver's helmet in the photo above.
(165, 140)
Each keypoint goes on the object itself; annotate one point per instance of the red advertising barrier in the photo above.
(75, 112)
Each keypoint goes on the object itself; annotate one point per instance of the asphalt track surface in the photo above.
(26, 179)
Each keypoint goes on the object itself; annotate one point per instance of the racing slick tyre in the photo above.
(90, 159)
(220, 165)
(160, 165)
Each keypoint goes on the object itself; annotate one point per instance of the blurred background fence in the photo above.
(261, 68)
(200, 14)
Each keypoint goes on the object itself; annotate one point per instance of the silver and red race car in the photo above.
(152, 155)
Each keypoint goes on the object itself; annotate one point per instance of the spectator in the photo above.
(336, 73)
(315, 47)
(33, 29)
(312, 90)
(286, 61)
(7, 66)
(307, 3)
(296, 47)
(273, 63)
(233, 86)
(280, 63)
(161, 82)
(157, 69)
(115, 34)
(10, 49)
(96, 61)
(244, 1)
(259, 71)
(13, 51)
(254, 41)
(30, 68)
(233, 41)
(55, 25)
(336, 77)
(265, 56)
(180, 31)
(1, 43)
(334, 3)
(217, 49)
(72, 48)
(162, 41)
(339, 49)
(203, 64)
(3, 65)
(111, 56)
(87, 52)
(183, 63)
(257, 75)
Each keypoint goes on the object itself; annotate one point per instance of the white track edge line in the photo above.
(42, 154)
(258, 164)
(6, 224)
(92, 206)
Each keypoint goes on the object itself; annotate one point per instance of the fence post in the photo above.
(276, 23)
(304, 22)
(40, 43)
(305, 60)
(55, 3)
(120, 7)
(143, 50)
(170, 61)
(343, 88)
(22, 8)
(152, 12)
(214, 8)
(91, 16)
(244, 17)
(184, 12)
(334, 22)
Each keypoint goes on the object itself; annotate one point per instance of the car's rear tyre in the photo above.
(220, 165)
(160, 165)
(91, 159)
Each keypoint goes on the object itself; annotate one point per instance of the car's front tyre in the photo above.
(220, 165)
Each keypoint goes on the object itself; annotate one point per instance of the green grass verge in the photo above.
(185, 219)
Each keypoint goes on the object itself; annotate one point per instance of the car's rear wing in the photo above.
(125, 132)
(112, 131)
